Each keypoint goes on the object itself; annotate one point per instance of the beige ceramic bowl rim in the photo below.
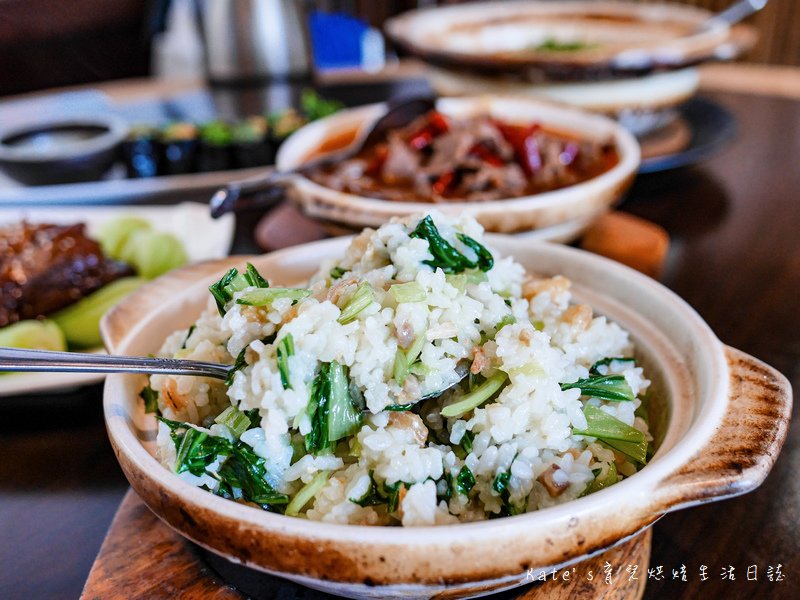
(295, 149)
(645, 481)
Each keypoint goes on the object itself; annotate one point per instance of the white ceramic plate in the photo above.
(203, 237)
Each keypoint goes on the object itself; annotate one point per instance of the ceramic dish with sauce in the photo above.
(530, 206)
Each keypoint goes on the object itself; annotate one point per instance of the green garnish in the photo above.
(188, 335)
(445, 255)
(385, 494)
(266, 296)
(465, 480)
(150, 397)
(500, 483)
(285, 350)
(235, 420)
(241, 474)
(254, 278)
(607, 362)
(306, 493)
(316, 107)
(358, 301)
(331, 408)
(476, 397)
(337, 272)
(506, 320)
(466, 441)
(408, 292)
(241, 363)
(599, 483)
(620, 436)
(605, 387)
(554, 45)
(371, 497)
(224, 289)
(399, 407)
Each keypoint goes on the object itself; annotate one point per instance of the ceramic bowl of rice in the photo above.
(425, 409)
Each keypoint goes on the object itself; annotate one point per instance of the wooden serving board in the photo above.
(143, 559)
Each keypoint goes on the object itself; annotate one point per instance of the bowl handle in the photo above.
(741, 452)
(118, 322)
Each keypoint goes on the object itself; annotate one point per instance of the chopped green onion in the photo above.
(188, 335)
(615, 433)
(408, 292)
(254, 278)
(415, 349)
(506, 320)
(609, 479)
(635, 450)
(337, 272)
(419, 369)
(344, 418)
(605, 387)
(465, 480)
(235, 420)
(400, 367)
(223, 291)
(476, 397)
(607, 362)
(500, 483)
(361, 299)
(307, 493)
(285, 350)
(538, 325)
(266, 296)
(393, 494)
(530, 369)
(150, 397)
(399, 407)
(466, 441)
(371, 497)
(458, 281)
(241, 363)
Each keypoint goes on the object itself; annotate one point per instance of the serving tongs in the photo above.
(23, 360)
(268, 188)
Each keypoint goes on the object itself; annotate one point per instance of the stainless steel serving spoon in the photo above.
(20, 360)
(735, 13)
(268, 188)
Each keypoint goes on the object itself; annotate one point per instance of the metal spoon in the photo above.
(734, 13)
(18, 359)
(268, 188)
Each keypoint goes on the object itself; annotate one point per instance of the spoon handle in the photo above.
(18, 359)
(738, 11)
(261, 191)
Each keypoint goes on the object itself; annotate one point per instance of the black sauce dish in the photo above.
(61, 151)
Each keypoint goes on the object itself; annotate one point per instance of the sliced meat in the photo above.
(46, 267)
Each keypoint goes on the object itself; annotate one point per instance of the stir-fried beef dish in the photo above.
(46, 267)
(439, 159)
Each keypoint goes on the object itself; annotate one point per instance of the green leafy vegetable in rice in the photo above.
(418, 379)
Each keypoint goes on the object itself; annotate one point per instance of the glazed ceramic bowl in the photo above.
(630, 61)
(62, 150)
(537, 41)
(719, 425)
(578, 204)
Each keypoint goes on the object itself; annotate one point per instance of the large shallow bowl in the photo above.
(516, 39)
(723, 421)
(579, 203)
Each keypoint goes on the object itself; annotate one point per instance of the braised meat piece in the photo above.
(46, 267)
(442, 159)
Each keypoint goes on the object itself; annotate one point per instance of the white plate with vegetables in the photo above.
(118, 250)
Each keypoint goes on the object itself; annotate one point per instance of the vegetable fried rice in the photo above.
(420, 379)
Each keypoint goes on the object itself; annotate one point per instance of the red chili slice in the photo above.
(438, 122)
(421, 140)
(443, 182)
(375, 165)
(521, 138)
(486, 155)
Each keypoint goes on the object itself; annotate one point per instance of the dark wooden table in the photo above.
(735, 257)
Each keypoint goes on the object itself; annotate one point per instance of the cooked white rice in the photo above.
(525, 431)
